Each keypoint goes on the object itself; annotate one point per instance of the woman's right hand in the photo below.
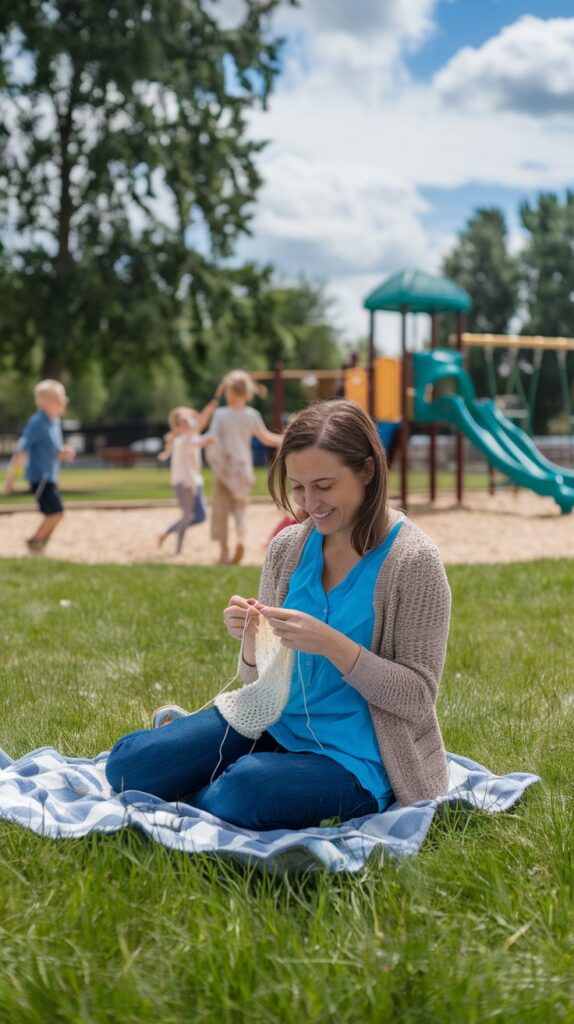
(238, 610)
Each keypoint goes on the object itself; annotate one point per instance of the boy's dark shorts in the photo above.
(48, 497)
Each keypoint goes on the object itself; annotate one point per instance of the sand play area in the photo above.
(507, 527)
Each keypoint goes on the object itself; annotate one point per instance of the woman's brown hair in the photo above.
(342, 428)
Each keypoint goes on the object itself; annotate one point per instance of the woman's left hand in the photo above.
(299, 631)
(302, 632)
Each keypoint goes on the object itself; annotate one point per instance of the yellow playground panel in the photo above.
(386, 386)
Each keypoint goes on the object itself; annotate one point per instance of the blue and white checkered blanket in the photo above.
(66, 798)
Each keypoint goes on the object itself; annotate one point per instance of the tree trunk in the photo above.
(56, 335)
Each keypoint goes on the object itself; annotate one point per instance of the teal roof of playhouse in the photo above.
(419, 293)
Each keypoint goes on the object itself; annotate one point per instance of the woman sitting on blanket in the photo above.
(360, 596)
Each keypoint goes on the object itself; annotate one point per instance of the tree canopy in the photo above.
(547, 263)
(127, 174)
(481, 264)
(289, 323)
(536, 287)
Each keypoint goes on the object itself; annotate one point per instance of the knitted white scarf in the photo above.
(251, 709)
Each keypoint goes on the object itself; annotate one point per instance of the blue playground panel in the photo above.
(387, 430)
(259, 452)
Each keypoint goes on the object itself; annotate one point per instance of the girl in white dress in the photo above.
(183, 445)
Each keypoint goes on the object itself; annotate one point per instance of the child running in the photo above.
(233, 426)
(183, 444)
(42, 442)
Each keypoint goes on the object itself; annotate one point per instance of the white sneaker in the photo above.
(166, 714)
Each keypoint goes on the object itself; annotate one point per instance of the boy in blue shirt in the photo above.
(42, 443)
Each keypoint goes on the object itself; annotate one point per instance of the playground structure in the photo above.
(432, 388)
(436, 389)
(414, 291)
(505, 445)
(383, 386)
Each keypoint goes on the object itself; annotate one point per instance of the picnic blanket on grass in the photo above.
(69, 797)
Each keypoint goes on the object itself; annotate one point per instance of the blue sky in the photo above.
(393, 120)
(473, 22)
(450, 208)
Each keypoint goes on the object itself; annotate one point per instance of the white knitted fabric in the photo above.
(255, 706)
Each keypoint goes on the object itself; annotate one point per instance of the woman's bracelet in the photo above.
(250, 664)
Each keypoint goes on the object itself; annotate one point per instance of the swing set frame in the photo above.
(538, 345)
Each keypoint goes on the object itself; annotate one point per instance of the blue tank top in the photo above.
(324, 714)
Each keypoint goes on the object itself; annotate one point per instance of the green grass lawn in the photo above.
(479, 927)
(152, 483)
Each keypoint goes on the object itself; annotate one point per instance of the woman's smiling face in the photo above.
(329, 491)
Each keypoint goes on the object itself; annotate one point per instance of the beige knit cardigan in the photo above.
(400, 674)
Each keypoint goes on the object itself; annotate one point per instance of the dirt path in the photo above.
(505, 528)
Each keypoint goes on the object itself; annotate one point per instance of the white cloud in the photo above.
(313, 214)
(359, 42)
(528, 68)
(346, 233)
(407, 17)
(355, 44)
(412, 18)
(227, 12)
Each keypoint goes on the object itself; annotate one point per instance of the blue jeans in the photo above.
(258, 785)
(192, 505)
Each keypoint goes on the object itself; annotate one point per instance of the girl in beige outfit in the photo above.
(233, 427)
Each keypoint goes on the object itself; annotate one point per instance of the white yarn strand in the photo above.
(214, 772)
(235, 677)
(303, 691)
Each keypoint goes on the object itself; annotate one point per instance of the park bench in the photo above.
(125, 457)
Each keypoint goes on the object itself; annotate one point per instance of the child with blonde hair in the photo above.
(233, 426)
(183, 444)
(42, 443)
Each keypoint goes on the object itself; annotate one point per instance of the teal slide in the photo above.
(445, 393)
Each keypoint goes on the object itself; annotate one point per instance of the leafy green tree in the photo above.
(130, 395)
(88, 393)
(16, 397)
(169, 389)
(481, 264)
(292, 325)
(310, 341)
(548, 265)
(126, 174)
(288, 324)
(548, 279)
